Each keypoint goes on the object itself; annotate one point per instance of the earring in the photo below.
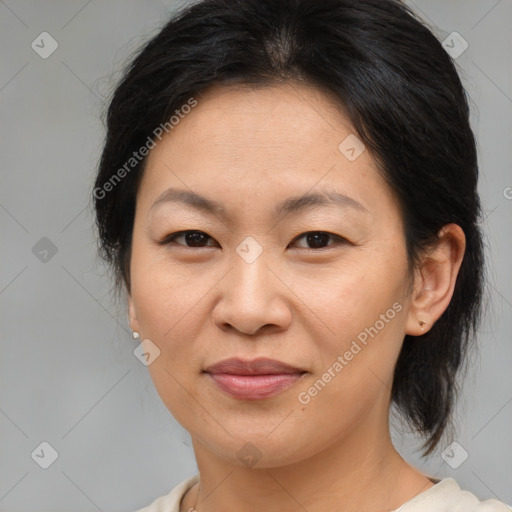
(135, 335)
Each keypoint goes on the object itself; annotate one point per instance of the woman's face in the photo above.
(260, 281)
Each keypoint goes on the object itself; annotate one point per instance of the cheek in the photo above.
(365, 310)
(354, 299)
(167, 304)
(356, 363)
(166, 307)
(167, 314)
(163, 292)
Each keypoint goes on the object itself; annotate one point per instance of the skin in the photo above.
(299, 303)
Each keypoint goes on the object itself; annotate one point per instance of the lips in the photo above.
(253, 380)
(262, 366)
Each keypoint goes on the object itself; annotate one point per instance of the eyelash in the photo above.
(171, 237)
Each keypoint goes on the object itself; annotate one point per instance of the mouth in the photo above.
(253, 380)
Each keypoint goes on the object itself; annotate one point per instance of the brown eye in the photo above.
(319, 239)
(197, 239)
(192, 238)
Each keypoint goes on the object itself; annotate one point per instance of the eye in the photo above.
(193, 238)
(319, 239)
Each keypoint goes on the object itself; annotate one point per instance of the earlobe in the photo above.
(435, 279)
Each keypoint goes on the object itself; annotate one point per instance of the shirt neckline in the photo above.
(439, 486)
(444, 485)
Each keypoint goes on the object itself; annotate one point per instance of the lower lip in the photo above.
(254, 387)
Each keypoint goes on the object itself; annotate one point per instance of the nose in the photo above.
(253, 298)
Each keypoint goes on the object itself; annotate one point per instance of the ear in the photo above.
(132, 315)
(434, 280)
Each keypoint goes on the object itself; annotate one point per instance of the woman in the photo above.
(288, 196)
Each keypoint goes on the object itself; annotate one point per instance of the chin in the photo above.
(254, 448)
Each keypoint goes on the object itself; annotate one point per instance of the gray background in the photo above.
(68, 375)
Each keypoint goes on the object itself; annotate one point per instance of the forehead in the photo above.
(288, 113)
(248, 146)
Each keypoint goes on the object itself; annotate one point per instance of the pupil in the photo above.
(194, 238)
(317, 238)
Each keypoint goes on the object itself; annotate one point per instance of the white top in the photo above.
(445, 496)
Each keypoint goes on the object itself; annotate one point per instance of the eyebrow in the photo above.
(293, 204)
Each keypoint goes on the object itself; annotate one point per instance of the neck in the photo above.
(362, 471)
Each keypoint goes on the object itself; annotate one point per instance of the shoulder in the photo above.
(171, 501)
(447, 496)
